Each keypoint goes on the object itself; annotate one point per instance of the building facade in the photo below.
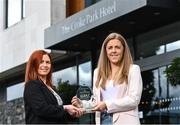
(73, 31)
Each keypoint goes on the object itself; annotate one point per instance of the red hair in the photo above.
(33, 65)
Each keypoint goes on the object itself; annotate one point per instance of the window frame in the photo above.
(7, 15)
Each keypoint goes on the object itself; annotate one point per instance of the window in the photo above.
(14, 12)
(66, 83)
(66, 75)
(85, 74)
(15, 91)
(85, 79)
(160, 99)
(156, 47)
(90, 2)
(74, 6)
(173, 46)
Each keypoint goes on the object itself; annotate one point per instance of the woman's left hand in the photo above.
(101, 106)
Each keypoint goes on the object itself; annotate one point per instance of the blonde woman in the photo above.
(117, 83)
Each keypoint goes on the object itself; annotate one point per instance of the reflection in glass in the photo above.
(173, 108)
(149, 48)
(85, 79)
(14, 11)
(68, 74)
(148, 89)
(15, 91)
(90, 2)
(155, 47)
(155, 83)
(163, 82)
(161, 50)
(160, 101)
(174, 90)
(85, 74)
(173, 46)
(66, 83)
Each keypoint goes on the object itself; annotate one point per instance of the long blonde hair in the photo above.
(104, 67)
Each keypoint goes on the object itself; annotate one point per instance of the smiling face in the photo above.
(114, 50)
(44, 66)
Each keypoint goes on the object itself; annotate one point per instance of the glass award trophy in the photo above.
(84, 93)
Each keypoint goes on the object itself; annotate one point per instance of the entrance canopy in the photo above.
(88, 28)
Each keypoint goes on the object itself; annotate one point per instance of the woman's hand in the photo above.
(76, 102)
(74, 111)
(101, 106)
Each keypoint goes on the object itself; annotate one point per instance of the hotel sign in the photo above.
(88, 18)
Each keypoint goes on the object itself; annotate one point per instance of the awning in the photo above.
(88, 28)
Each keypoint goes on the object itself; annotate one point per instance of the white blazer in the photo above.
(125, 107)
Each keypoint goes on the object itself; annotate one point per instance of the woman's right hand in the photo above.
(76, 102)
(74, 111)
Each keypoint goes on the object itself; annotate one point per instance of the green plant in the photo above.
(66, 90)
(173, 72)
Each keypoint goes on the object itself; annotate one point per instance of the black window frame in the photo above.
(7, 16)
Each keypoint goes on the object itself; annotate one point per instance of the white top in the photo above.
(58, 98)
(125, 106)
(111, 91)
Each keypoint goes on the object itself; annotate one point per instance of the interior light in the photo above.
(156, 13)
(132, 22)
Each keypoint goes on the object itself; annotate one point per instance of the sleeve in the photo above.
(132, 99)
(33, 96)
(94, 81)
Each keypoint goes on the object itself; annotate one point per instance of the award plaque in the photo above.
(84, 93)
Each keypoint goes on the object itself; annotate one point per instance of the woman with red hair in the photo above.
(42, 104)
